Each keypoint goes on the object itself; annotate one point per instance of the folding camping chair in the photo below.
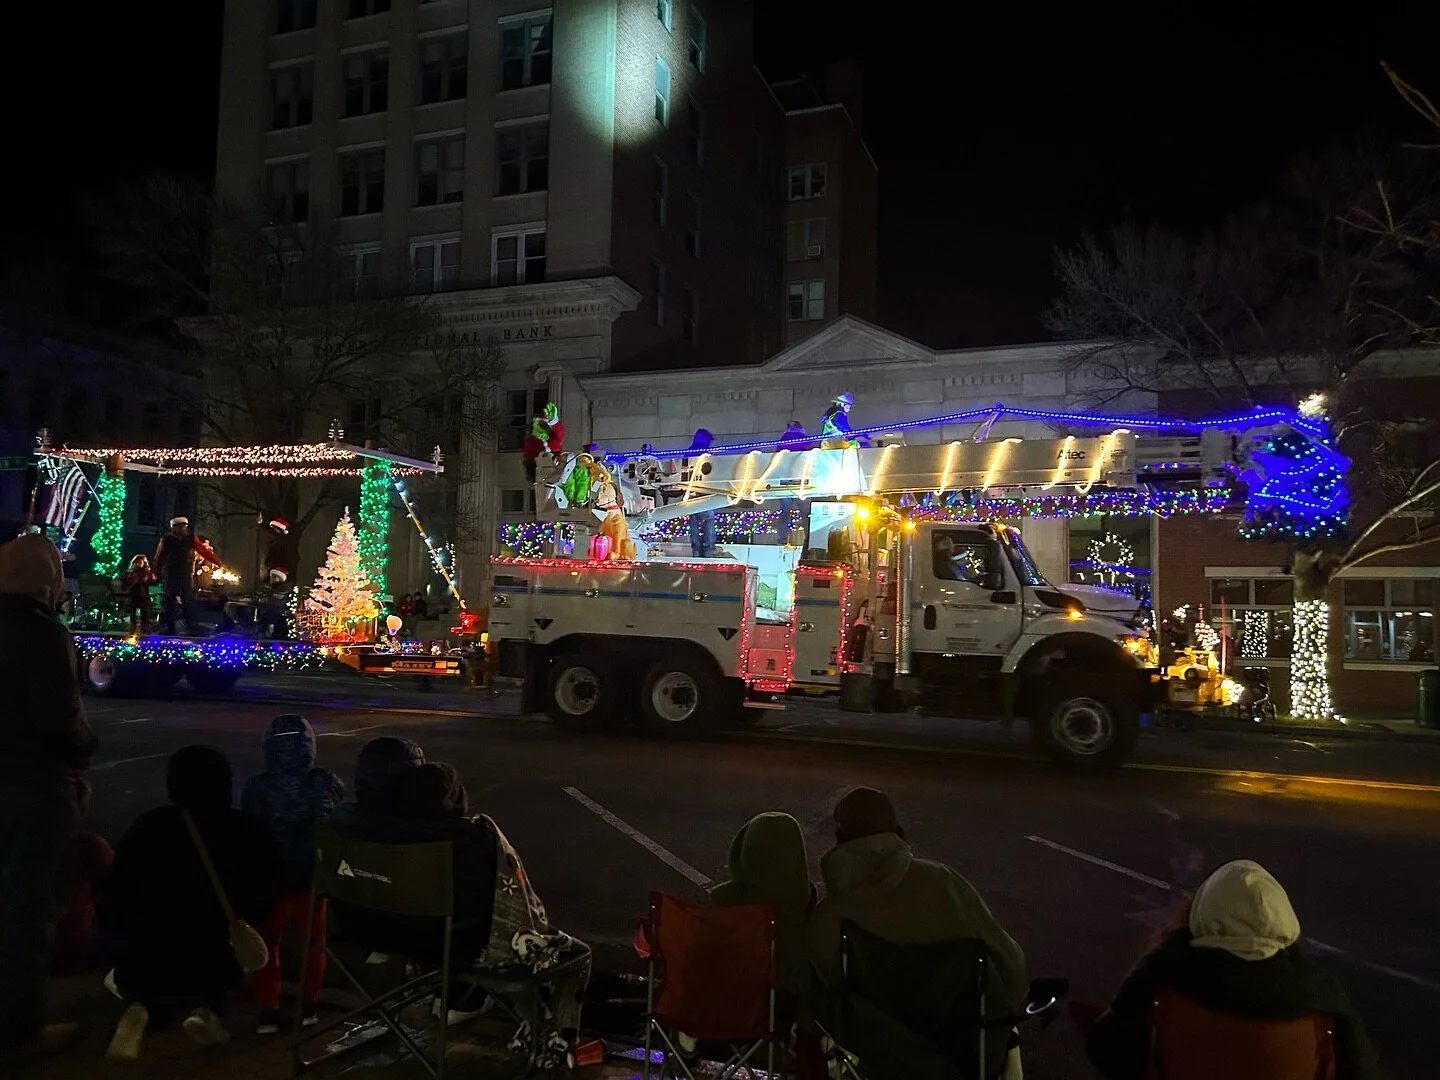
(414, 881)
(1188, 1042)
(712, 977)
(908, 1012)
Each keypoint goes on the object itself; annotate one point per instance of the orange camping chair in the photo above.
(1188, 1042)
(712, 977)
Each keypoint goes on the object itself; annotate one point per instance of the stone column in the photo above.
(475, 496)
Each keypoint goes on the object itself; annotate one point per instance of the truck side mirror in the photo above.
(1005, 597)
(993, 580)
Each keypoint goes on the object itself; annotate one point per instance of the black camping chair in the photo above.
(414, 881)
(919, 1012)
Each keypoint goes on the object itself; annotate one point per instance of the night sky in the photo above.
(999, 136)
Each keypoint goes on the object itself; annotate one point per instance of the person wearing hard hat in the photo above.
(835, 433)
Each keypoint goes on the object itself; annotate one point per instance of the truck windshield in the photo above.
(1024, 565)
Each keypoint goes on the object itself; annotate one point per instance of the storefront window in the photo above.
(1111, 552)
(1256, 614)
(1390, 620)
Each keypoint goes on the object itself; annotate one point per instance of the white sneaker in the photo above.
(125, 1044)
(458, 1016)
(205, 1028)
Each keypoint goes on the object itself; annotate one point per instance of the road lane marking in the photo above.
(102, 766)
(669, 858)
(1095, 860)
(135, 720)
(345, 734)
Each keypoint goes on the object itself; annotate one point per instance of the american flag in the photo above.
(65, 497)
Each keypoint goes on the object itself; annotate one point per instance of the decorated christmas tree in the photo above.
(342, 603)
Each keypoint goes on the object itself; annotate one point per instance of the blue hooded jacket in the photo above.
(291, 796)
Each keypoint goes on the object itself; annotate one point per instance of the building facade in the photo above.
(603, 184)
(91, 389)
(831, 203)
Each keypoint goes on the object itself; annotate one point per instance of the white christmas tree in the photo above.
(342, 601)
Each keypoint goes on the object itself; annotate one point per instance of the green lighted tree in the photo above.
(374, 533)
(108, 539)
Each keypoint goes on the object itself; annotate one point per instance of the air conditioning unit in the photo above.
(814, 251)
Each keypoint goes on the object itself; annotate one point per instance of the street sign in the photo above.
(12, 464)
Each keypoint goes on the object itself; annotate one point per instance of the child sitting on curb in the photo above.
(289, 799)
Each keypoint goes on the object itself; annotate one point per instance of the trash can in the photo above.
(1427, 698)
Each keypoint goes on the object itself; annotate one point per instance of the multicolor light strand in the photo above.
(108, 540)
(1164, 503)
(373, 535)
(217, 652)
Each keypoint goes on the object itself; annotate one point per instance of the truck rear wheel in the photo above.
(681, 698)
(1085, 724)
(579, 692)
(105, 677)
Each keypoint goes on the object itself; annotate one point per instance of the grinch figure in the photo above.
(546, 434)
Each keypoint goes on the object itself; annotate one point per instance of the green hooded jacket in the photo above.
(768, 866)
(877, 883)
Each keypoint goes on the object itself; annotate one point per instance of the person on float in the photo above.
(702, 526)
(547, 433)
(835, 431)
(175, 566)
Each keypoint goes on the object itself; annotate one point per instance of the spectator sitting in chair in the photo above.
(873, 879)
(492, 888)
(1238, 954)
(768, 866)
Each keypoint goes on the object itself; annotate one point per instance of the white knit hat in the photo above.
(1242, 909)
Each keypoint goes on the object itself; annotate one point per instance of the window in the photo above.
(522, 159)
(525, 53)
(664, 12)
(443, 68)
(287, 187)
(807, 181)
(1257, 614)
(362, 182)
(358, 9)
(367, 82)
(662, 92)
(692, 317)
(359, 268)
(1390, 620)
(518, 257)
(1110, 551)
(363, 418)
(521, 406)
(695, 46)
(657, 290)
(692, 227)
(291, 15)
(694, 132)
(805, 239)
(661, 183)
(439, 171)
(514, 500)
(147, 500)
(292, 95)
(435, 263)
(806, 300)
(962, 556)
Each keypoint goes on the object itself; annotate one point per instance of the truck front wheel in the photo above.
(579, 692)
(681, 698)
(1085, 724)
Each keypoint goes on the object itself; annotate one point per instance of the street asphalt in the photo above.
(1083, 871)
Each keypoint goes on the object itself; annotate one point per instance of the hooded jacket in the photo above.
(768, 866)
(42, 723)
(157, 900)
(291, 796)
(878, 883)
(1239, 954)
